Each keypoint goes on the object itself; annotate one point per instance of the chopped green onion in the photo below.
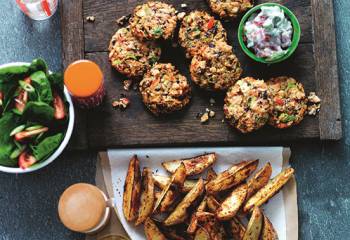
(158, 31)
(285, 118)
(17, 130)
(34, 127)
(17, 152)
(26, 86)
(117, 62)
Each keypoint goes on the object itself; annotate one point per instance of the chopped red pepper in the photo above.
(211, 23)
(22, 98)
(21, 136)
(279, 101)
(26, 160)
(59, 107)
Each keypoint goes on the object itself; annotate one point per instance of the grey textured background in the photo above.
(28, 202)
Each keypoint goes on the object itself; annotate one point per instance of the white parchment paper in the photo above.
(119, 160)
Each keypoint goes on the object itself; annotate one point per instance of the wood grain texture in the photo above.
(136, 126)
(326, 71)
(107, 11)
(73, 49)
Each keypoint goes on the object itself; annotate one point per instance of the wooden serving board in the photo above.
(314, 64)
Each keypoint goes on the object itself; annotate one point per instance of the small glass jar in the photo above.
(84, 208)
(84, 81)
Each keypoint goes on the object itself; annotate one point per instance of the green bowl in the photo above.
(295, 40)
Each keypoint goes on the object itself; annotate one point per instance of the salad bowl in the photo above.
(67, 134)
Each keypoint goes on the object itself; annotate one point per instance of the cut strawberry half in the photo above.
(58, 106)
(21, 136)
(26, 160)
(1, 98)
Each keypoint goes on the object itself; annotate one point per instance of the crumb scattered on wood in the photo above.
(212, 101)
(181, 15)
(123, 20)
(314, 104)
(211, 113)
(313, 98)
(122, 103)
(127, 84)
(223, 120)
(90, 18)
(205, 117)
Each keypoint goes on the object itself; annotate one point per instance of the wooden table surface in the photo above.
(313, 64)
(28, 202)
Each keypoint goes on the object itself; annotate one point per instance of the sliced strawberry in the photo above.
(21, 136)
(59, 107)
(211, 23)
(1, 98)
(26, 160)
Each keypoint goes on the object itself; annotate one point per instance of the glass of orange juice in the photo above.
(84, 81)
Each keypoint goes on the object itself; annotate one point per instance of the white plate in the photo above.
(64, 143)
(119, 160)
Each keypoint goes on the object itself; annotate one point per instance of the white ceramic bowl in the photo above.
(64, 143)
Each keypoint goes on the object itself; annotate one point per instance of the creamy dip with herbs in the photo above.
(269, 32)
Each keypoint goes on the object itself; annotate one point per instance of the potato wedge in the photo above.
(147, 196)
(180, 212)
(237, 229)
(232, 177)
(152, 232)
(194, 165)
(176, 178)
(132, 190)
(254, 225)
(268, 231)
(269, 190)
(162, 181)
(211, 225)
(193, 224)
(211, 174)
(259, 180)
(213, 204)
(230, 206)
(172, 234)
(202, 234)
(168, 200)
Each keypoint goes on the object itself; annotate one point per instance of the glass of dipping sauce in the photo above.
(84, 81)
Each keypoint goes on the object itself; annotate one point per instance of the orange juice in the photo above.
(84, 81)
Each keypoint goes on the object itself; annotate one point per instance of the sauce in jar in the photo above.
(84, 81)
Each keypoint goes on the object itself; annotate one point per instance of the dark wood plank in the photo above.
(137, 127)
(98, 33)
(326, 69)
(73, 49)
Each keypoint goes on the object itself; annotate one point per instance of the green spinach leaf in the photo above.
(42, 86)
(8, 122)
(56, 80)
(38, 65)
(47, 146)
(38, 112)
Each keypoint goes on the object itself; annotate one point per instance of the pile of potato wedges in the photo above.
(187, 205)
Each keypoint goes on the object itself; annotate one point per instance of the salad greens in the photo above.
(33, 114)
